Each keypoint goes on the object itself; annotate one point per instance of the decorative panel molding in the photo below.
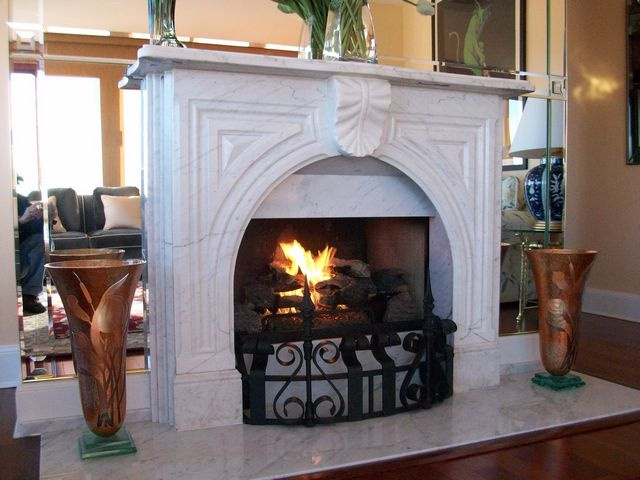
(236, 146)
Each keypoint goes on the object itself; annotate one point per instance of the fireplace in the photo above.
(333, 316)
(236, 138)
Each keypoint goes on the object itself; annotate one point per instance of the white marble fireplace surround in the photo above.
(225, 130)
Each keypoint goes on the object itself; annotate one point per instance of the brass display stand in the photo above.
(528, 239)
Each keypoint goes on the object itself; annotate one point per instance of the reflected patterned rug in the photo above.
(61, 324)
(39, 337)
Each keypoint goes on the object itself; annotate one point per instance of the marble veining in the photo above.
(154, 59)
(251, 452)
(228, 133)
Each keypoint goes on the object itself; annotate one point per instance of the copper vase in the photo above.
(97, 297)
(560, 276)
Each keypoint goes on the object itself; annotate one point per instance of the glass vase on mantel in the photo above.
(304, 45)
(162, 23)
(350, 34)
(311, 44)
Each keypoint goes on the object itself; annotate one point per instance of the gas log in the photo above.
(384, 294)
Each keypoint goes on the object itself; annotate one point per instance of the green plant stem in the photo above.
(318, 28)
(314, 11)
(352, 40)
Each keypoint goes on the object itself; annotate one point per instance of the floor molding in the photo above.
(64, 410)
(9, 366)
(517, 351)
(609, 303)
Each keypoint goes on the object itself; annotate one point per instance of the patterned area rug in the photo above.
(39, 337)
(61, 324)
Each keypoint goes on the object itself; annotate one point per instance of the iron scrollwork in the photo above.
(426, 378)
(329, 353)
(409, 390)
(295, 356)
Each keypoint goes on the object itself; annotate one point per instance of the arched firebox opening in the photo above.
(334, 297)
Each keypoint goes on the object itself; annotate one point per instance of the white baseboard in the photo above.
(53, 405)
(9, 366)
(609, 303)
(518, 352)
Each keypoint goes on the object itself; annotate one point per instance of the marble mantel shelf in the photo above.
(155, 59)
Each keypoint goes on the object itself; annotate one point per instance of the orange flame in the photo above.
(315, 268)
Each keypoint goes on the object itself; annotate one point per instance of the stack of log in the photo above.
(352, 286)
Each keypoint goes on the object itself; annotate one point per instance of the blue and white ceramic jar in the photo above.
(534, 193)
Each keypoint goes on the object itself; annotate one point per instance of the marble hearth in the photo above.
(514, 411)
(234, 137)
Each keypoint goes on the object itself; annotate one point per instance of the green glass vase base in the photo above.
(558, 383)
(93, 446)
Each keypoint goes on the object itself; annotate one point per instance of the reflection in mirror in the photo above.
(532, 208)
(513, 113)
(544, 50)
(84, 138)
(76, 140)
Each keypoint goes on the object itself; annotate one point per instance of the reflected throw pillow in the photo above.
(510, 193)
(54, 217)
(122, 212)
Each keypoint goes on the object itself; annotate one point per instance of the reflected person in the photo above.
(31, 236)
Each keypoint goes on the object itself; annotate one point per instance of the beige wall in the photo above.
(388, 26)
(8, 315)
(603, 194)
(536, 45)
(416, 35)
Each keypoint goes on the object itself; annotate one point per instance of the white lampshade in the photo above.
(530, 140)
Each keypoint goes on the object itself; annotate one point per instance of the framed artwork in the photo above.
(480, 37)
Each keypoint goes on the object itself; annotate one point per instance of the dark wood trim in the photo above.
(19, 457)
(609, 349)
(123, 47)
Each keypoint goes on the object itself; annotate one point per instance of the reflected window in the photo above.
(514, 114)
(24, 133)
(71, 133)
(132, 136)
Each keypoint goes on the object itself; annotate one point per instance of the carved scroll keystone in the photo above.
(361, 107)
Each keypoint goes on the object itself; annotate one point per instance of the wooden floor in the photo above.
(610, 449)
(608, 349)
(509, 325)
(20, 457)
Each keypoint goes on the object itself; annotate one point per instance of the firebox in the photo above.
(334, 320)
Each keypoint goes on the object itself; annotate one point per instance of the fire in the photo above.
(316, 268)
